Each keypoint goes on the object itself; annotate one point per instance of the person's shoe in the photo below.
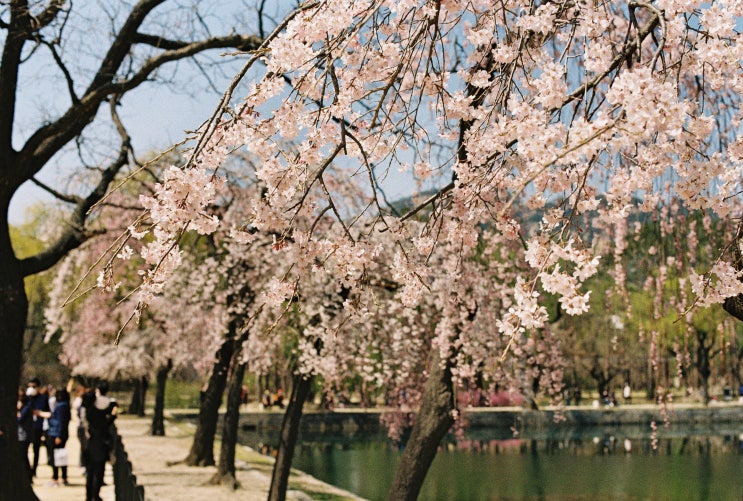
(52, 483)
(65, 482)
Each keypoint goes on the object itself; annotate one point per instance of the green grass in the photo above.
(179, 394)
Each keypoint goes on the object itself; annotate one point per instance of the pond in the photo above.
(562, 464)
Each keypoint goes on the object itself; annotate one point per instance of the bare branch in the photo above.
(47, 140)
(71, 199)
(65, 72)
(239, 42)
(48, 15)
(18, 31)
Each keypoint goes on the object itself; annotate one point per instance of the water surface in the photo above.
(562, 464)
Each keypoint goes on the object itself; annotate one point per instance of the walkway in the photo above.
(150, 457)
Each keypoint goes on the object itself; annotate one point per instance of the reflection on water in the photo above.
(557, 464)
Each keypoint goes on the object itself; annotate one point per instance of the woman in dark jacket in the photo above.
(58, 433)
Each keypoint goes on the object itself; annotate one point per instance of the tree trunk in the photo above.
(158, 419)
(136, 397)
(139, 393)
(202, 449)
(15, 483)
(288, 440)
(225, 474)
(433, 421)
(703, 358)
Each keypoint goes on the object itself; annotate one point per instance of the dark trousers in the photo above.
(55, 472)
(94, 479)
(23, 447)
(50, 446)
(82, 437)
(36, 446)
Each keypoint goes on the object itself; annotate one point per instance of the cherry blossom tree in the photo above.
(178, 330)
(575, 112)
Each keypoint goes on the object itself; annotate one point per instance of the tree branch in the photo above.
(47, 140)
(65, 72)
(72, 199)
(48, 15)
(75, 233)
(158, 41)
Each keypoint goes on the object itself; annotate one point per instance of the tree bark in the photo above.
(225, 474)
(202, 449)
(15, 483)
(158, 418)
(288, 440)
(139, 393)
(433, 421)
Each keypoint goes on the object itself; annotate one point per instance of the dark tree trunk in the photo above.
(134, 403)
(202, 449)
(433, 421)
(15, 483)
(288, 439)
(703, 357)
(139, 393)
(226, 468)
(158, 418)
(602, 376)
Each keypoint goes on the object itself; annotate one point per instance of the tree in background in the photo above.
(176, 332)
(684, 332)
(40, 356)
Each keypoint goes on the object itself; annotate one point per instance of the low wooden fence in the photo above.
(125, 482)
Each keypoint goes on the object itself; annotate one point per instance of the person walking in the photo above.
(98, 413)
